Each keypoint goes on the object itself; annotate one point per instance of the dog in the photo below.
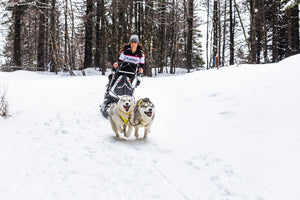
(143, 116)
(119, 115)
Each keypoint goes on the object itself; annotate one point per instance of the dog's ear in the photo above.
(152, 103)
(118, 100)
(132, 100)
(146, 100)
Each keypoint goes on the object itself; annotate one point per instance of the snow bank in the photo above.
(231, 133)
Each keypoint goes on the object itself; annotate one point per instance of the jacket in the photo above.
(134, 61)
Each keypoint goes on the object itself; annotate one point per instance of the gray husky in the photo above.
(143, 116)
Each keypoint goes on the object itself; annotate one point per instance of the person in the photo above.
(131, 59)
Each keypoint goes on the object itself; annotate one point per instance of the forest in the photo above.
(67, 35)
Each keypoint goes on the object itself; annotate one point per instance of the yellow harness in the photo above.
(124, 120)
(140, 102)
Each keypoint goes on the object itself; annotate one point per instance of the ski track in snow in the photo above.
(58, 146)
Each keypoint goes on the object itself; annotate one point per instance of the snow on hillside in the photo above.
(231, 134)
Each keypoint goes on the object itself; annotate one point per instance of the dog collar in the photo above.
(141, 122)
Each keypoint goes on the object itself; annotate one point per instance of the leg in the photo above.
(121, 129)
(147, 131)
(128, 132)
(124, 129)
(113, 126)
(136, 132)
(111, 120)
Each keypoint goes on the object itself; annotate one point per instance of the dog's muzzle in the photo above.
(149, 112)
(126, 107)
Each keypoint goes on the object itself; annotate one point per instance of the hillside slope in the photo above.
(227, 134)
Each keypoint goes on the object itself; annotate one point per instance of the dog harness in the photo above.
(140, 122)
(140, 102)
(124, 119)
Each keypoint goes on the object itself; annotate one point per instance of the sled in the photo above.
(120, 85)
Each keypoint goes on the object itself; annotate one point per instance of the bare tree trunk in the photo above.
(42, 32)
(224, 33)
(295, 29)
(190, 34)
(185, 28)
(114, 33)
(242, 24)
(231, 32)
(275, 28)
(149, 36)
(66, 34)
(264, 32)
(67, 48)
(258, 24)
(207, 35)
(72, 48)
(219, 32)
(98, 37)
(252, 32)
(173, 38)
(130, 26)
(17, 57)
(121, 25)
(215, 31)
(53, 50)
(88, 50)
(162, 30)
(103, 39)
(47, 38)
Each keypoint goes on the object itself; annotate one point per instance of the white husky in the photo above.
(119, 115)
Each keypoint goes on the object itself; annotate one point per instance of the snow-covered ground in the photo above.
(230, 134)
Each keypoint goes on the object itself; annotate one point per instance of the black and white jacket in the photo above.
(135, 61)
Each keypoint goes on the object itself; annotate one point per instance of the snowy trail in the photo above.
(71, 153)
(208, 141)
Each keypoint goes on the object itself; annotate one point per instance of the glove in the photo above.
(115, 65)
(141, 70)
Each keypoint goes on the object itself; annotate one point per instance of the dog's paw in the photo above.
(127, 135)
(146, 134)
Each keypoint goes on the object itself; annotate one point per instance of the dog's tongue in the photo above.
(149, 114)
(126, 108)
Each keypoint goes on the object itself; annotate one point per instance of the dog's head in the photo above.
(146, 108)
(126, 103)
